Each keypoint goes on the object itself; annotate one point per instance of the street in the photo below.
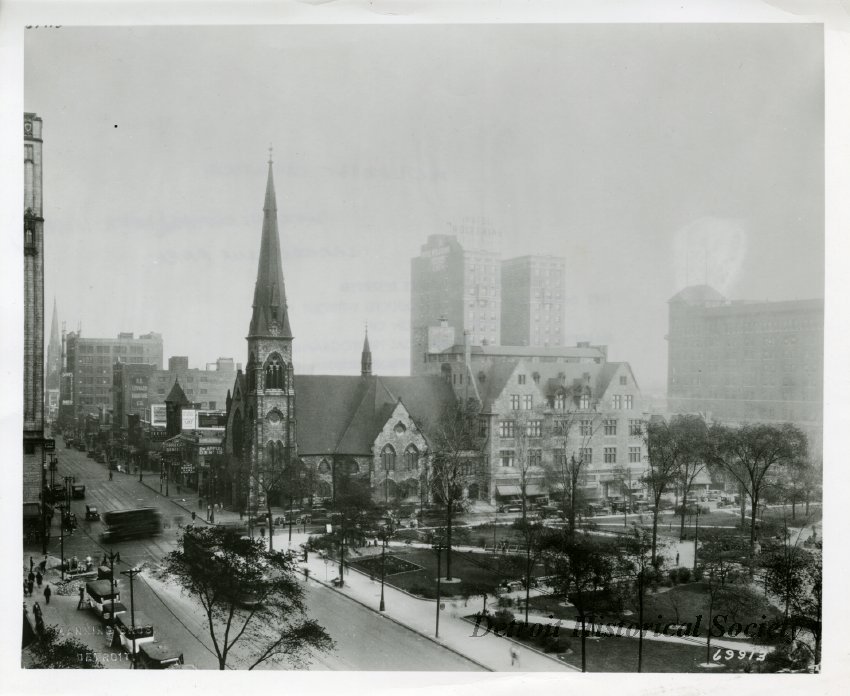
(364, 639)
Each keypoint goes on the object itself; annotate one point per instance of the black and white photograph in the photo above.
(423, 346)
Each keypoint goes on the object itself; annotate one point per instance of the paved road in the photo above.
(364, 640)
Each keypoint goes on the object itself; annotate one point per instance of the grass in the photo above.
(620, 654)
(680, 604)
(478, 572)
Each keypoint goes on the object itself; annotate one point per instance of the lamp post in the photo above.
(696, 538)
(112, 558)
(386, 533)
(439, 549)
(131, 574)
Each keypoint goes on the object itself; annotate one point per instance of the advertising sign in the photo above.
(188, 468)
(188, 419)
(212, 420)
(158, 415)
(206, 450)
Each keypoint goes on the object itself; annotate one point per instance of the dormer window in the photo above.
(584, 402)
(560, 401)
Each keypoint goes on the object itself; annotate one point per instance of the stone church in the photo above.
(372, 428)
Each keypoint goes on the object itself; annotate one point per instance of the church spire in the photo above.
(270, 316)
(366, 356)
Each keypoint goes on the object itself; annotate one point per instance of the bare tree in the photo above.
(269, 476)
(456, 451)
(622, 476)
(750, 453)
(692, 433)
(664, 454)
(572, 434)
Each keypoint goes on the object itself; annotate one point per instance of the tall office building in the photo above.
(54, 368)
(533, 301)
(89, 363)
(744, 361)
(33, 430)
(460, 285)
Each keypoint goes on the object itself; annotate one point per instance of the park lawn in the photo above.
(478, 572)
(661, 608)
(778, 513)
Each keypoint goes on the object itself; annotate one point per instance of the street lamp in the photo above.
(438, 547)
(385, 535)
(112, 558)
(696, 538)
(131, 574)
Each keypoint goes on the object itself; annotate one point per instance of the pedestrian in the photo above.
(30, 585)
(82, 598)
(209, 512)
(31, 564)
(514, 657)
(26, 588)
(38, 578)
(677, 558)
(110, 474)
(31, 576)
(47, 593)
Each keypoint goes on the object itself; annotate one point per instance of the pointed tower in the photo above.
(174, 404)
(270, 396)
(366, 357)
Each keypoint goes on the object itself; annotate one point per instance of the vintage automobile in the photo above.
(133, 630)
(158, 656)
(92, 513)
(102, 596)
(78, 491)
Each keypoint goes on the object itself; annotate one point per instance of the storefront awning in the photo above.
(508, 490)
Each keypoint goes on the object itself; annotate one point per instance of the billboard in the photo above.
(188, 419)
(212, 420)
(158, 414)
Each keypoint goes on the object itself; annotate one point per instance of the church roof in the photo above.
(343, 415)
(177, 395)
(269, 291)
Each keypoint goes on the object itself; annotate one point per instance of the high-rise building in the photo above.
(89, 367)
(462, 286)
(533, 301)
(33, 406)
(746, 361)
(54, 368)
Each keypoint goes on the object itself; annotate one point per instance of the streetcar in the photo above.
(129, 524)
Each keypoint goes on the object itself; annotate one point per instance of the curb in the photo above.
(533, 649)
(403, 625)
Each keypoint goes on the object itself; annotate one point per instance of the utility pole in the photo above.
(112, 558)
(131, 574)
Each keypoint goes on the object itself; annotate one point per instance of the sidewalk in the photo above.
(456, 634)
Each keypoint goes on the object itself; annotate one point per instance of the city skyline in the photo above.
(161, 220)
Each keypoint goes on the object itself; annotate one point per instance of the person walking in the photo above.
(209, 512)
(677, 559)
(514, 657)
(31, 564)
(31, 576)
(82, 598)
(30, 585)
(38, 578)
(47, 593)
(110, 474)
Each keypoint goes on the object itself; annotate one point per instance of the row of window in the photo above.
(507, 458)
(410, 459)
(534, 428)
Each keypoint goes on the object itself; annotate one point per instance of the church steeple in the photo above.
(270, 316)
(366, 357)
(54, 352)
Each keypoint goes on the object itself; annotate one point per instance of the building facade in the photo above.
(741, 362)
(461, 285)
(33, 397)
(533, 301)
(89, 366)
(54, 368)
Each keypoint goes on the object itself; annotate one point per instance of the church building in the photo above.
(366, 427)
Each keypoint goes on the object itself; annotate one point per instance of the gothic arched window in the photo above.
(324, 467)
(411, 458)
(275, 372)
(388, 458)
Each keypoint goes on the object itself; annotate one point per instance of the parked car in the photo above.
(510, 508)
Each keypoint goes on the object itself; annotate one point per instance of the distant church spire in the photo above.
(270, 316)
(54, 352)
(366, 356)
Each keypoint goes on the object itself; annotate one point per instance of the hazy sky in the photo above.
(649, 156)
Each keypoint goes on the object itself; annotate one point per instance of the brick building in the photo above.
(533, 301)
(33, 372)
(740, 361)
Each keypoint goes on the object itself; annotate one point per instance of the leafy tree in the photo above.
(808, 605)
(50, 651)
(353, 507)
(582, 570)
(693, 433)
(268, 476)
(720, 573)
(249, 596)
(752, 451)
(456, 445)
(668, 446)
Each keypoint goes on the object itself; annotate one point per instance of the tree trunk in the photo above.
(271, 521)
(640, 614)
(755, 502)
(742, 496)
(583, 650)
(654, 529)
(684, 505)
(449, 540)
